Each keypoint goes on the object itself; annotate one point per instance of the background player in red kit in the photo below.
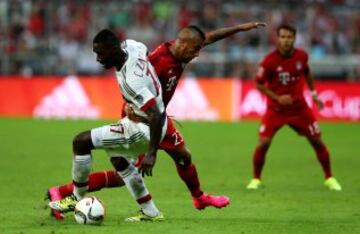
(281, 78)
(169, 61)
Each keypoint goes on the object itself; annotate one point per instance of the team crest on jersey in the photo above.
(279, 69)
(284, 77)
(298, 65)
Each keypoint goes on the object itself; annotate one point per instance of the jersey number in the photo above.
(117, 128)
(314, 128)
(171, 83)
(177, 138)
(143, 65)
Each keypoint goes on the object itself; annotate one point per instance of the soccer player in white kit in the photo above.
(126, 139)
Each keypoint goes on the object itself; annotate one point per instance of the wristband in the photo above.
(313, 93)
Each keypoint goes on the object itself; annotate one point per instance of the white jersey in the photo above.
(138, 81)
(141, 89)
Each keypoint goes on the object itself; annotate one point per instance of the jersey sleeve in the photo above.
(263, 72)
(138, 93)
(158, 65)
(157, 61)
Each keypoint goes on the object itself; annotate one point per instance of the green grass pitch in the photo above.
(36, 154)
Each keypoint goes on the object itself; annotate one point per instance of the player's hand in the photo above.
(147, 164)
(319, 103)
(285, 99)
(259, 24)
(129, 112)
(252, 25)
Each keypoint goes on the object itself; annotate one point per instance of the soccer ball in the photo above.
(89, 210)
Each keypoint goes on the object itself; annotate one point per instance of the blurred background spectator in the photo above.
(40, 37)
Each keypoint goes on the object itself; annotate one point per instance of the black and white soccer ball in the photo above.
(90, 210)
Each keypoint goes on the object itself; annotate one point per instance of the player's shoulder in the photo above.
(161, 52)
(130, 43)
(301, 53)
(160, 48)
(135, 50)
(270, 57)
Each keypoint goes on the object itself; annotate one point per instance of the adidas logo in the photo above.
(252, 103)
(68, 100)
(190, 102)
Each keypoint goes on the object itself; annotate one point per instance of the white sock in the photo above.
(136, 186)
(81, 169)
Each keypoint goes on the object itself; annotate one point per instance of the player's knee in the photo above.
(119, 163)
(184, 158)
(186, 161)
(82, 143)
(264, 143)
(316, 142)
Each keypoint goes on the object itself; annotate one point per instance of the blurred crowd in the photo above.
(42, 37)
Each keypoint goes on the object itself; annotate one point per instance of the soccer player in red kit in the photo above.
(281, 78)
(169, 61)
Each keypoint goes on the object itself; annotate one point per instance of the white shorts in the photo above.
(125, 138)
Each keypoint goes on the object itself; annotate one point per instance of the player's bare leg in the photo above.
(324, 159)
(187, 172)
(81, 167)
(259, 161)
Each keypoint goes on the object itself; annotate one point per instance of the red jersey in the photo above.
(285, 75)
(168, 69)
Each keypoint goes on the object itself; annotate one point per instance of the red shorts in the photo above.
(304, 123)
(173, 138)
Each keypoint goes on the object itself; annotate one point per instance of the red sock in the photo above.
(97, 181)
(144, 199)
(189, 175)
(258, 162)
(324, 159)
(104, 179)
(66, 189)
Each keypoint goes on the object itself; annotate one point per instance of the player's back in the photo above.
(168, 69)
(137, 79)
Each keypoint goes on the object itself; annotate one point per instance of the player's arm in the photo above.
(310, 83)
(222, 33)
(140, 96)
(284, 99)
(266, 91)
(262, 76)
(156, 121)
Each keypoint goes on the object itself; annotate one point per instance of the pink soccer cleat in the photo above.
(210, 200)
(53, 194)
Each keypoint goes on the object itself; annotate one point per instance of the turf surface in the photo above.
(35, 154)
